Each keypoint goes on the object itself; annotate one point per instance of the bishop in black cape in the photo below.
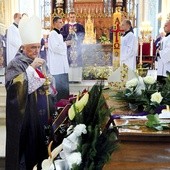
(26, 118)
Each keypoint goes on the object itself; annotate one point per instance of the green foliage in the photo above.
(98, 144)
(141, 97)
(154, 122)
(165, 91)
(104, 40)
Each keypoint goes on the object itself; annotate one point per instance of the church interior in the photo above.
(139, 148)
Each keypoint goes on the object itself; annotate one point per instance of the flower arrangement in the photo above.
(96, 72)
(97, 145)
(89, 142)
(145, 95)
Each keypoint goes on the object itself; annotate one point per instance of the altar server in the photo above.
(129, 46)
(57, 59)
(13, 38)
(164, 52)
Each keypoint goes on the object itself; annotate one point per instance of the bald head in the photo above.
(167, 27)
(126, 25)
(17, 18)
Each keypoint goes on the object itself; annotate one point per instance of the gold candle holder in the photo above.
(46, 85)
(142, 71)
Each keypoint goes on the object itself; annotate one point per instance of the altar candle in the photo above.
(167, 108)
(151, 48)
(116, 38)
(140, 61)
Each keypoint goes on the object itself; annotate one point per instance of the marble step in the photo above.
(2, 115)
(2, 89)
(2, 97)
(2, 80)
(2, 104)
(2, 141)
(2, 107)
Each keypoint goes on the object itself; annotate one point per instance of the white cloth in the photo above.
(57, 54)
(13, 42)
(34, 81)
(164, 60)
(128, 50)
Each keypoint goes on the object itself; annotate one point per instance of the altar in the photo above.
(97, 61)
(140, 148)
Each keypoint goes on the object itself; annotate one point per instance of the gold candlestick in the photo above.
(142, 71)
(46, 85)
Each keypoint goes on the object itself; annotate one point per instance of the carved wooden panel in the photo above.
(102, 23)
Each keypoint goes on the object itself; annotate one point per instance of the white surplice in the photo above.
(164, 59)
(128, 50)
(57, 54)
(13, 42)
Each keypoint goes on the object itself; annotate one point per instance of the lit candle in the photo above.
(116, 38)
(140, 61)
(151, 47)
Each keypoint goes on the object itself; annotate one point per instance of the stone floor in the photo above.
(2, 146)
(2, 140)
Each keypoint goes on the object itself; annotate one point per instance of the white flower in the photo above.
(74, 158)
(156, 97)
(149, 80)
(132, 83)
(79, 129)
(140, 86)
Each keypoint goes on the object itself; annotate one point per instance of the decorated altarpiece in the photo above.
(100, 53)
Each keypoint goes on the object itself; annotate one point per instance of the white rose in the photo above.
(149, 80)
(132, 83)
(156, 97)
(74, 158)
(79, 129)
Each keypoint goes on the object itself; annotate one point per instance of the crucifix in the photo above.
(117, 33)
